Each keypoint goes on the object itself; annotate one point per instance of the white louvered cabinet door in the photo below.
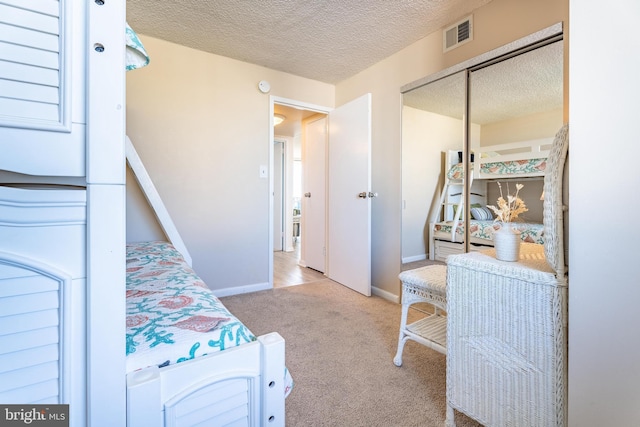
(42, 87)
(42, 296)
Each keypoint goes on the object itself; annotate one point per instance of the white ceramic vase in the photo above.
(507, 243)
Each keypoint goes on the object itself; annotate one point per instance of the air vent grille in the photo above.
(457, 34)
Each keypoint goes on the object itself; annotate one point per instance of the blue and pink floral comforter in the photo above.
(172, 316)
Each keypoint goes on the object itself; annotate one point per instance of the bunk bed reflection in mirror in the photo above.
(515, 106)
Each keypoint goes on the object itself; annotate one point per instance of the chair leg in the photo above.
(402, 339)
(450, 420)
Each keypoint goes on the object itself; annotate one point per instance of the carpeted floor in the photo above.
(339, 348)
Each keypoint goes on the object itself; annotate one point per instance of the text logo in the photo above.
(34, 415)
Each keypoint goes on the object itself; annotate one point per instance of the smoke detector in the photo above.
(457, 34)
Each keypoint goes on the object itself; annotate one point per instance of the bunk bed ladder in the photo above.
(444, 203)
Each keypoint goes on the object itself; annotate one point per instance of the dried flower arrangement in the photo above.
(509, 209)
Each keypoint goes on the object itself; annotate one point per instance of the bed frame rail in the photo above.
(243, 385)
(523, 150)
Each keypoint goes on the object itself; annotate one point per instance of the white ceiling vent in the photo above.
(457, 34)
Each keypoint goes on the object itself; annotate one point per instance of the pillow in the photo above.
(473, 205)
(481, 213)
(455, 172)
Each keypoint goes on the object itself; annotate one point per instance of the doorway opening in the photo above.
(342, 198)
(287, 262)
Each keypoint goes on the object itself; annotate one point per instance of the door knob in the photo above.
(307, 194)
(372, 195)
(362, 195)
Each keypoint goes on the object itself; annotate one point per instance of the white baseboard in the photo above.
(385, 295)
(227, 292)
(414, 258)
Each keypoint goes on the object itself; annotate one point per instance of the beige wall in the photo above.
(535, 126)
(141, 222)
(201, 127)
(425, 136)
(515, 19)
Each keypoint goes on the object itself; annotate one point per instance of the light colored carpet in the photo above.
(339, 348)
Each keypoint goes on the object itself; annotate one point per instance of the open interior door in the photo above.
(350, 195)
(314, 197)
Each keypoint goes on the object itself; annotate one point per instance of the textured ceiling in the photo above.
(520, 86)
(324, 40)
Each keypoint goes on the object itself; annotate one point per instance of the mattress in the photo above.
(511, 167)
(172, 316)
(483, 230)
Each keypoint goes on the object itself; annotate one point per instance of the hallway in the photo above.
(287, 272)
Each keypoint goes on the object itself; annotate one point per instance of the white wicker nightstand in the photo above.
(506, 340)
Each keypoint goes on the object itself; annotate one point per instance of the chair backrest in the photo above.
(553, 206)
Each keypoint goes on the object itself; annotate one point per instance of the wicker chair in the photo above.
(507, 324)
(424, 285)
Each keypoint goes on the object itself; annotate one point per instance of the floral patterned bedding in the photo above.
(529, 232)
(172, 316)
(513, 167)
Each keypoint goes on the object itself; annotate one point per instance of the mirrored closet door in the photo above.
(509, 97)
(432, 124)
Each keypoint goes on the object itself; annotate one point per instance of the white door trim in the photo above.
(294, 104)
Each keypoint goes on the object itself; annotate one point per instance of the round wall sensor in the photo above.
(264, 86)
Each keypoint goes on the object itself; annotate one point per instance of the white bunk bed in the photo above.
(189, 360)
(62, 208)
(62, 241)
(511, 161)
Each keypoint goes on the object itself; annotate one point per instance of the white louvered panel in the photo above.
(47, 7)
(28, 283)
(222, 403)
(32, 321)
(26, 322)
(28, 55)
(27, 37)
(20, 304)
(29, 110)
(29, 74)
(222, 390)
(238, 416)
(15, 343)
(237, 423)
(36, 84)
(47, 390)
(43, 93)
(13, 272)
(20, 17)
(32, 356)
(29, 91)
(30, 43)
(36, 374)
